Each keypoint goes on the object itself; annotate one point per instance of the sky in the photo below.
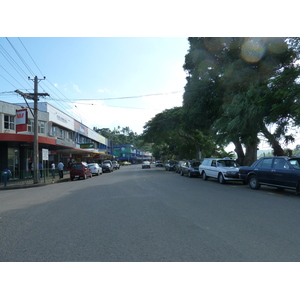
(103, 82)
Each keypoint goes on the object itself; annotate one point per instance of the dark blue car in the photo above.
(282, 172)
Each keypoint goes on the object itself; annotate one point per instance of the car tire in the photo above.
(204, 176)
(72, 178)
(221, 178)
(190, 174)
(253, 182)
(181, 173)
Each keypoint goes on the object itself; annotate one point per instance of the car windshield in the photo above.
(78, 166)
(295, 162)
(91, 165)
(228, 163)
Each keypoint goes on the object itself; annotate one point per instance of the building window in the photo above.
(9, 122)
(30, 125)
(41, 127)
(54, 130)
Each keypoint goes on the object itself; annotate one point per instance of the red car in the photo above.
(80, 170)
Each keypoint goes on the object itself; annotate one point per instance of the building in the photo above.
(65, 138)
(131, 154)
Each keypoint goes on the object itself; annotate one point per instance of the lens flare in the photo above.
(253, 50)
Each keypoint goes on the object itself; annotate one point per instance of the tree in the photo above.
(168, 128)
(231, 87)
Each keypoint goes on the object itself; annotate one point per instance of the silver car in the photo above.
(95, 169)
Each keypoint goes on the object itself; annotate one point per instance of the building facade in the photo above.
(65, 138)
(131, 154)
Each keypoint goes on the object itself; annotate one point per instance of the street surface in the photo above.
(148, 215)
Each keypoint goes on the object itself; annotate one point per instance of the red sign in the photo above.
(21, 122)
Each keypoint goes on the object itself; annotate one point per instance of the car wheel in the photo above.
(181, 173)
(253, 183)
(72, 178)
(221, 178)
(189, 174)
(204, 176)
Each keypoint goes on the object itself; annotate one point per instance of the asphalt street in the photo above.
(142, 215)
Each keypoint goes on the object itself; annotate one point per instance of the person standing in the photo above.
(61, 169)
(53, 169)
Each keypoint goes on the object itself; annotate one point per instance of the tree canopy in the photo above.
(239, 87)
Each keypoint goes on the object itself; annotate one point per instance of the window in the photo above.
(9, 122)
(265, 163)
(280, 163)
(41, 127)
(61, 133)
(30, 127)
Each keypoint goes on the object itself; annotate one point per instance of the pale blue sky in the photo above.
(98, 68)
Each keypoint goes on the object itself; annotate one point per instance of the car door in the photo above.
(212, 170)
(263, 171)
(282, 173)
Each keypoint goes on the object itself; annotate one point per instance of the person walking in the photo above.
(53, 169)
(61, 169)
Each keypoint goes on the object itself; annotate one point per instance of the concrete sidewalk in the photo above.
(21, 185)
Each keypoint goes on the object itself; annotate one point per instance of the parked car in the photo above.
(107, 161)
(282, 172)
(116, 165)
(95, 169)
(170, 165)
(107, 167)
(223, 169)
(146, 165)
(178, 166)
(80, 170)
(190, 168)
(159, 163)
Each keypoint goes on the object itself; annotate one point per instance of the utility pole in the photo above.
(35, 98)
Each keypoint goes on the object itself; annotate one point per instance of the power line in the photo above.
(21, 58)
(30, 56)
(129, 97)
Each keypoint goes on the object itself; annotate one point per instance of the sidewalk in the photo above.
(23, 184)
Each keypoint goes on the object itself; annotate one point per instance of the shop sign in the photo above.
(45, 154)
(87, 145)
(21, 123)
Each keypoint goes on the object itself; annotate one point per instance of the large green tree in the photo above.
(171, 136)
(234, 90)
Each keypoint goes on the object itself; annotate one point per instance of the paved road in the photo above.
(148, 215)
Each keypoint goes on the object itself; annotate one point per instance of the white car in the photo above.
(223, 169)
(95, 169)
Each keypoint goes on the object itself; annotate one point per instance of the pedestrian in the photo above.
(41, 169)
(60, 167)
(53, 169)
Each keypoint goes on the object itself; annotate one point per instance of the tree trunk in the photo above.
(251, 154)
(240, 152)
(277, 149)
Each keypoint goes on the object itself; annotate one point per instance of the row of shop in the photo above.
(63, 138)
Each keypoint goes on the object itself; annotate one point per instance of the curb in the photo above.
(24, 186)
